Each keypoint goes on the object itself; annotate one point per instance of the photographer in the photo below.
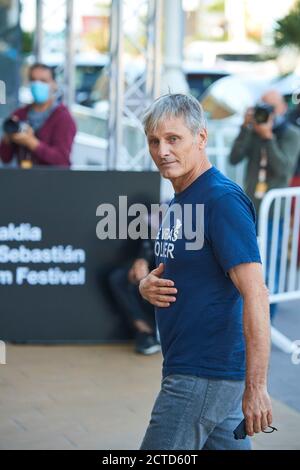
(41, 133)
(294, 118)
(271, 145)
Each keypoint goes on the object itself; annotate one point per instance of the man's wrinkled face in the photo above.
(174, 149)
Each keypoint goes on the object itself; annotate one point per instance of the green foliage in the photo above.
(217, 7)
(287, 31)
(27, 42)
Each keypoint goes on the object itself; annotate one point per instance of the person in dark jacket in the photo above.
(271, 149)
(49, 130)
(124, 281)
(294, 118)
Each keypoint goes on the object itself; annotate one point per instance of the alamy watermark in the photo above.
(2, 92)
(138, 221)
(296, 353)
(2, 353)
(296, 96)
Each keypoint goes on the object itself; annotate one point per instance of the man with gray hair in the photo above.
(212, 306)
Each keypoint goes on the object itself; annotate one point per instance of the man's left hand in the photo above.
(257, 409)
(25, 138)
(265, 131)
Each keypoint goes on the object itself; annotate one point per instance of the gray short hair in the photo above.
(175, 105)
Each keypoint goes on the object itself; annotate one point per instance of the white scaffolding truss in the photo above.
(129, 100)
(68, 62)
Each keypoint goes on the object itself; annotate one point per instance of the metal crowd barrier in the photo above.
(279, 230)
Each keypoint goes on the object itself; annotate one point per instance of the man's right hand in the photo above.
(248, 118)
(157, 291)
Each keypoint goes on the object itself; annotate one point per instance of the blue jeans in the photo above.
(193, 413)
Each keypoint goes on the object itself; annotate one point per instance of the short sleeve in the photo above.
(231, 231)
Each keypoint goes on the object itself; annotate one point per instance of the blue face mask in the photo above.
(40, 91)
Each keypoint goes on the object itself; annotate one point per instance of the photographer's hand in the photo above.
(248, 118)
(265, 131)
(26, 139)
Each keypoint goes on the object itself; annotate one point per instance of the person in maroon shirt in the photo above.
(50, 129)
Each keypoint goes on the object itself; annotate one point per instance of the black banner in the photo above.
(53, 268)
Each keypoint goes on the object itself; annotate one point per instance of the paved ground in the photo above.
(93, 397)
(284, 377)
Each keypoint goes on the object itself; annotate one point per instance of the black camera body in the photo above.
(12, 126)
(262, 112)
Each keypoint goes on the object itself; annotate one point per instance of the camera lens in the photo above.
(261, 116)
(262, 112)
(10, 126)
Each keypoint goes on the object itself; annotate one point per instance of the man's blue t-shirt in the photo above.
(202, 332)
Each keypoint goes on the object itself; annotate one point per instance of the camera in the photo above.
(12, 126)
(262, 112)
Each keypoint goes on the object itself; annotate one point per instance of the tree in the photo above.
(287, 30)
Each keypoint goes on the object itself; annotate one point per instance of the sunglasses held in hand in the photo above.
(240, 430)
